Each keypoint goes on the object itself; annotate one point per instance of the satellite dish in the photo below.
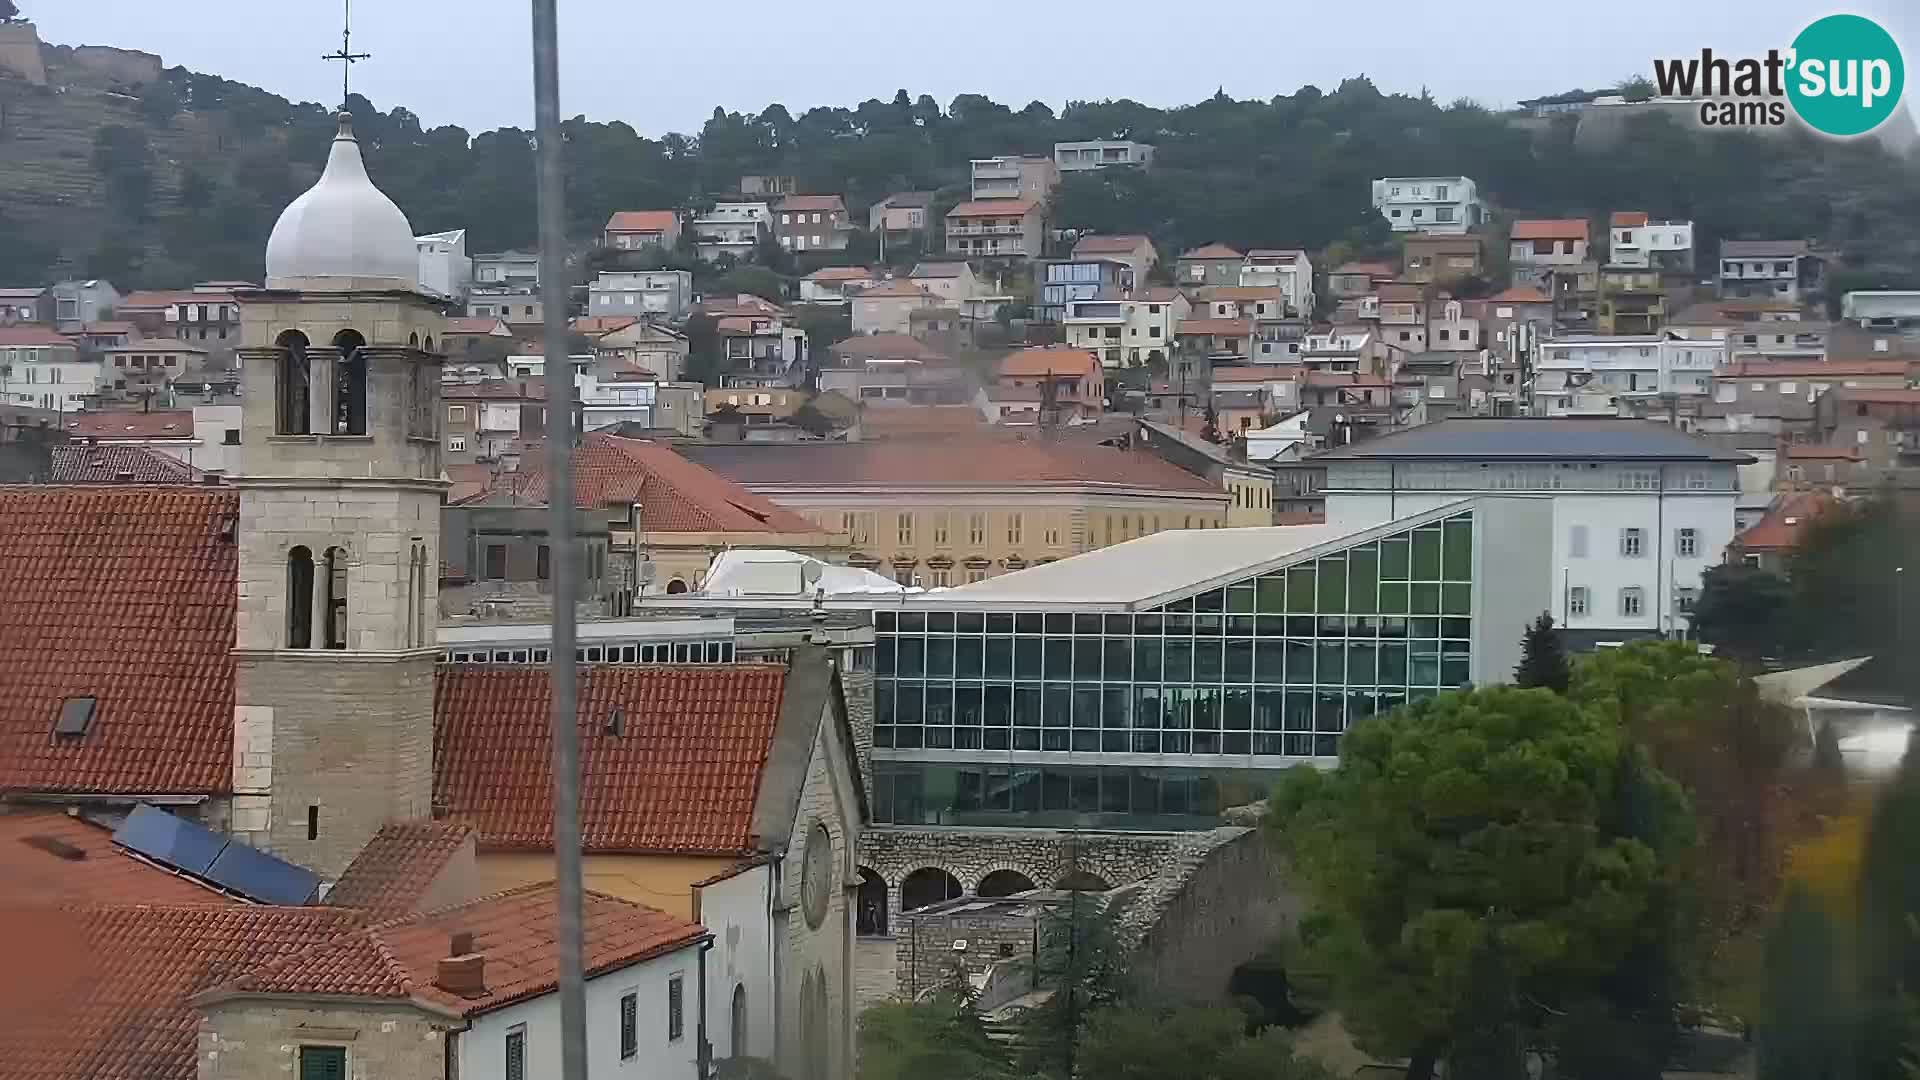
(810, 573)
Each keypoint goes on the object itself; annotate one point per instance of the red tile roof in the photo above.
(683, 775)
(110, 327)
(1212, 251)
(169, 424)
(1051, 360)
(1157, 294)
(77, 463)
(1833, 369)
(1520, 294)
(896, 287)
(1550, 229)
(1226, 327)
(102, 992)
(495, 390)
(1881, 397)
(476, 325)
(392, 874)
(1377, 269)
(1276, 255)
(1808, 452)
(594, 325)
(1780, 529)
(47, 857)
(811, 202)
(841, 273)
(1275, 373)
(28, 334)
(642, 221)
(994, 461)
(992, 208)
(1397, 293)
(1242, 292)
(898, 421)
(888, 347)
(125, 594)
(1627, 219)
(515, 932)
(1109, 245)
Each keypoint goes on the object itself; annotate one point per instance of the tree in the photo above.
(810, 419)
(1889, 919)
(158, 104)
(753, 280)
(1806, 1026)
(1487, 1041)
(1543, 662)
(1489, 811)
(1081, 958)
(1742, 612)
(1210, 424)
(941, 1038)
(8, 12)
(1188, 1044)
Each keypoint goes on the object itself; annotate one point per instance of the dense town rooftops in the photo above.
(1535, 439)
(993, 462)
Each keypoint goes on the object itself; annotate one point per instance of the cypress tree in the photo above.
(1542, 661)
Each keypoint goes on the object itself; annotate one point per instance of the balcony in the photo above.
(984, 230)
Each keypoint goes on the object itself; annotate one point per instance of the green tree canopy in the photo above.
(1543, 662)
(1188, 1044)
(941, 1038)
(1743, 612)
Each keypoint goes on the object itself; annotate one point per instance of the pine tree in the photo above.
(1486, 1037)
(1542, 661)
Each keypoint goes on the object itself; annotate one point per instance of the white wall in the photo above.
(737, 912)
(482, 1049)
(211, 452)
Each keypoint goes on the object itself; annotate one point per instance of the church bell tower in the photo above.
(340, 495)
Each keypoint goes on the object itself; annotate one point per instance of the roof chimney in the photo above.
(463, 972)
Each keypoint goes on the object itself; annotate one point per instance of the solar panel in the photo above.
(170, 841)
(259, 876)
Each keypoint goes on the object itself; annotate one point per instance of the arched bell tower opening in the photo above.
(340, 494)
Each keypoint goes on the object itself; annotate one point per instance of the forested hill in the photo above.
(179, 177)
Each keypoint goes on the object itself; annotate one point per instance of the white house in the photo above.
(665, 293)
(1100, 154)
(1640, 510)
(1291, 270)
(1635, 240)
(445, 269)
(44, 370)
(1432, 204)
(732, 228)
(1623, 375)
(1126, 333)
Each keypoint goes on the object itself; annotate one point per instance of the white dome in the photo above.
(343, 227)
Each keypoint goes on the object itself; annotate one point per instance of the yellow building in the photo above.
(947, 512)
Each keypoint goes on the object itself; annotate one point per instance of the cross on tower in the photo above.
(346, 55)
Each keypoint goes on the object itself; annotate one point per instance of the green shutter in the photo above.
(323, 1063)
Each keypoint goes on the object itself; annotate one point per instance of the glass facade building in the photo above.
(1150, 718)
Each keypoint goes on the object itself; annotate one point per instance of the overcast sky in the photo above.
(664, 66)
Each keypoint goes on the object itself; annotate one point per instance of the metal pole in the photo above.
(560, 533)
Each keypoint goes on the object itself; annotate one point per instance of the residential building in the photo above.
(1431, 381)
(1538, 247)
(643, 345)
(1062, 281)
(1779, 269)
(1069, 381)
(745, 402)
(479, 343)
(1029, 178)
(1455, 326)
(29, 305)
(1209, 264)
(105, 335)
(1649, 376)
(812, 223)
(833, 286)
(445, 268)
(77, 303)
(44, 369)
(1100, 154)
(1632, 301)
(1289, 270)
(1127, 333)
(206, 314)
(1634, 239)
(1426, 259)
(900, 215)
(1352, 349)
(1443, 204)
(1640, 510)
(144, 371)
(948, 511)
(768, 186)
(1882, 426)
(732, 228)
(1255, 302)
(1399, 314)
(635, 230)
(1770, 542)
(485, 421)
(1353, 279)
(514, 270)
(952, 281)
(1754, 328)
(1275, 391)
(1781, 396)
(1249, 487)
(995, 228)
(1885, 310)
(640, 401)
(761, 345)
(654, 294)
(1576, 294)
(1136, 252)
(887, 308)
(1203, 344)
(514, 306)
(893, 370)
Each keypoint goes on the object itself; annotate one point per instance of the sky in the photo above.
(664, 67)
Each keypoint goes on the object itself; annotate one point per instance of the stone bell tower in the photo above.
(340, 495)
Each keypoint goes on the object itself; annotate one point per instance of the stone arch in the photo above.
(1082, 881)
(1004, 882)
(737, 1022)
(350, 384)
(300, 598)
(928, 885)
(870, 917)
(292, 385)
(413, 340)
(428, 347)
(676, 587)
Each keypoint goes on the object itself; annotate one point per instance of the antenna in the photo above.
(346, 55)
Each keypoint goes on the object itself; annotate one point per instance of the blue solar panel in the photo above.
(259, 876)
(170, 841)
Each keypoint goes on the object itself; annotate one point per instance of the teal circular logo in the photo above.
(1846, 75)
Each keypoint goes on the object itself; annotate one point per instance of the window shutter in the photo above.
(629, 1025)
(323, 1063)
(516, 1055)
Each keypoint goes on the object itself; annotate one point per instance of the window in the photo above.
(335, 610)
(1683, 599)
(1443, 213)
(629, 1025)
(676, 1008)
(323, 1063)
(906, 530)
(1632, 599)
(1576, 601)
(543, 563)
(517, 1053)
(456, 413)
(350, 384)
(976, 576)
(1052, 535)
(940, 529)
(1013, 528)
(293, 413)
(230, 437)
(496, 567)
(1577, 542)
(299, 598)
(1439, 191)
(1789, 387)
(1632, 542)
(940, 579)
(313, 821)
(1686, 543)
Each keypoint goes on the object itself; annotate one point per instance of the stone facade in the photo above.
(1043, 856)
(247, 1039)
(816, 987)
(989, 933)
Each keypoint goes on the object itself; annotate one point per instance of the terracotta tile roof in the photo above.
(495, 390)
(941, 268)
(811, 202)
(77, 463)
(906, 420)
(468, 481)
(1276, 255)
(1342, 378)
(593, 325)
(1212, 251)
(1779, 529)
(896, 347)
(158, 298)
(1550, 229)
(673, 494)
(896, 287)
(841, 273)
(992, 208)
(1836, 369)
(1881, 397)
(392, 873)
(1157, 294)
(1109, 245)
(110, 327)
(1225, 327)
(515, 931)
(1055, 360)
(1627, 219)
(475, 325)
(994, 461)
(683, 775)
(1377, 269)
(642, 221)
(1764, 249)
(27, 334)
(1242, 292)
(1520, 294)
(1397, 293)
(1807, 452)
(169, 424)
(125, 594)
(102, 992)
(47, 857)
(1274, 373)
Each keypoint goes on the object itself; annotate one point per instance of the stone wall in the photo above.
(247, 1040)
(993, 932)
(20, 53)
(858, 688)
(1221, 902)
(1043, 856)
(816, 986)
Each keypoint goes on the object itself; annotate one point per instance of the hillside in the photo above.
(114, 166)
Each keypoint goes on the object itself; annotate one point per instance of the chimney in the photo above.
(462, 972)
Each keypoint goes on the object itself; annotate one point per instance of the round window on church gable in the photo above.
(816, 875)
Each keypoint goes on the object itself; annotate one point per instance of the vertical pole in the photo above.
(560, 409)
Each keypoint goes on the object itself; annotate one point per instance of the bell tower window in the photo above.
(336, 599)
(293, 384)
(299, 599)
(350, 384)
